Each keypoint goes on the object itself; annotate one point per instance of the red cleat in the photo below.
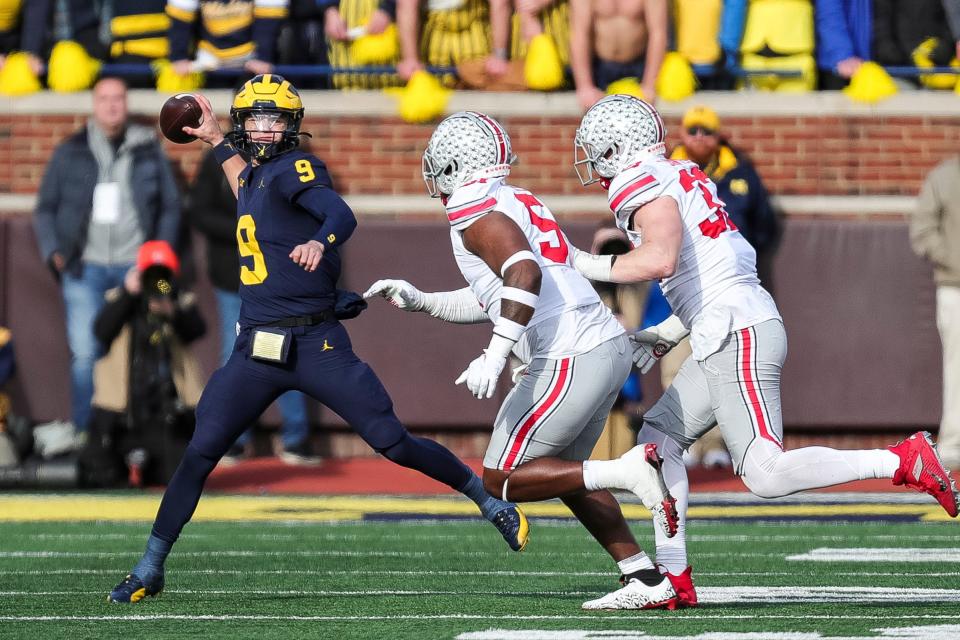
(921, 469)
(683, 585)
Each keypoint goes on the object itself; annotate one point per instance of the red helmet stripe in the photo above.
(499, 135)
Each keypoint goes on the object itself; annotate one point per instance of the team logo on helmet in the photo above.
(465, 146)
(617, 131)
(261, 103)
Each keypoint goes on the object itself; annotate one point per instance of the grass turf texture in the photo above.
(438, 579)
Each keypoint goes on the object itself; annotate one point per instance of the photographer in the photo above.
(147, 386)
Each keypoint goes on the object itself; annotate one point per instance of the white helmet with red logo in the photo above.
(465, 146)
(614, 133)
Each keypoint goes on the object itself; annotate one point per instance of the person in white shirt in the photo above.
(518, 265)
(683, 238)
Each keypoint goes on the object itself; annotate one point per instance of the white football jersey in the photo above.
(569, 318)
(715, 289)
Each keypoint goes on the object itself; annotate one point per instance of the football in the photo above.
(181, 110)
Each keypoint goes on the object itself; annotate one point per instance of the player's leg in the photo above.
(349, 387)
(235, 395)
(744, 379)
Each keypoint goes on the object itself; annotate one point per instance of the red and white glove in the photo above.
(652, 343)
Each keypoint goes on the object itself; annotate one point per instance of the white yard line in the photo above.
(646, 616)
(887, 555)
(325, 553)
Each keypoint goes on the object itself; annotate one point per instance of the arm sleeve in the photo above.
(183, 14)
(115, 313)
(834, 41)
(460, 306)
(926, 235)
(213, 209)
(337, 219)
(732, 22)
(48, 199)
(36, 18)
(268, 16)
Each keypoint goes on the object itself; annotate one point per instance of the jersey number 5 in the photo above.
(248, 245)
(555, 252)
(710, 228)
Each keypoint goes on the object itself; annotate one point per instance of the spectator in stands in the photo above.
(23, 28)
(613, 41)
(935, 235)
(457, 32)
(138, 35)
(771, 34)
(106, 190)
(915, 33)
(149, 382)
(844, 29)
(213, 211)
(231, 33)
(738, 184)
(513, 31)
(301, 40)
(697, 30)
(347, 21)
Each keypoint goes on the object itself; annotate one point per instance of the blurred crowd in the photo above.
(650, 48)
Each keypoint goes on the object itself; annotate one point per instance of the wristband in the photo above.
(224, 151)
(519, 295)
(593, 267)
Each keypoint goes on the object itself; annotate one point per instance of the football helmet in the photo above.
(614, 133)
(465, 146)
(262, 101)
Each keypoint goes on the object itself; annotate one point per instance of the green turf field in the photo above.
(455, 578)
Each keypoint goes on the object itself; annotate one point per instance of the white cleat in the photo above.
(637, 595)
(644, 467)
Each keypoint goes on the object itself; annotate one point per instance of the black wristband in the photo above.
(224, 151)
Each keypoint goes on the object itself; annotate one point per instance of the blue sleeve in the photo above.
(180, 34)
(304, 181)
(265, 34)
(833, 35)
(337, 219)
(731, 25)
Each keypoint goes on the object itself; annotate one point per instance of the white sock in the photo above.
(671, 552)
(634, 563)
(602, 474)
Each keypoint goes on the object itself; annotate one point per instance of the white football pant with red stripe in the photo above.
(738, 387)
(559, 407)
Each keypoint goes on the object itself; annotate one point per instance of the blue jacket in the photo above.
(844, 30)
(65, 200)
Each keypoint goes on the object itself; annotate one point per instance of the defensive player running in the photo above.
(683, 237)
(290, 227)
(517, 262)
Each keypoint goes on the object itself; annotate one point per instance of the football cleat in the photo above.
(645, 467)
(132, 590)
(637, 595)
(683, 585)
(512, 525)
(922, 469)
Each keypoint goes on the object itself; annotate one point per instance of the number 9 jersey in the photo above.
(569, 318)
(715, 289)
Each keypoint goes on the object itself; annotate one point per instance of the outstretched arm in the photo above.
(500, 243)
(459, 307)
(209, 131)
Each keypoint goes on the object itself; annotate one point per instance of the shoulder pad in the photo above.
(471, 202)
(297, 172)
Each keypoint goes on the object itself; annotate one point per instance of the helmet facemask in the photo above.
(263, 122)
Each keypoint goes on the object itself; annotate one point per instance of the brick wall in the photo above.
(796, 155)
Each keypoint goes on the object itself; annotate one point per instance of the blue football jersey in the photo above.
(270, 224)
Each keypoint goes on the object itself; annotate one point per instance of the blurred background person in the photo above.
(771, 34)
(106, 190)
(935, 235)
(138, 35)
(149, 382)
(441, 33)
(844, 29)
(211, 34)
(696, 25)
(916, 33)
(350, 27)
(738, 184)
(614, 40)
(213, 212)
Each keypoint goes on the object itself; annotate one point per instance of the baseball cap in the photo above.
(157, 253)
(701, 116)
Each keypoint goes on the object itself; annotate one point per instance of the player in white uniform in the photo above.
(683, 237)
(519, 268)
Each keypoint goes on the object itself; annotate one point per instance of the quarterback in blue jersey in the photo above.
(290, 226)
